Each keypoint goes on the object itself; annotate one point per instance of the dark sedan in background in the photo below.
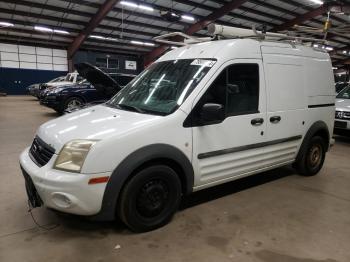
(98, 87)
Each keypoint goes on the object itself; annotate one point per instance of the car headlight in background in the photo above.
(73, 154)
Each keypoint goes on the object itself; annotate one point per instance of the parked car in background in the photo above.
(97, 88)
(339, 86)
(342, 113)
(69, 79)
(34, 89)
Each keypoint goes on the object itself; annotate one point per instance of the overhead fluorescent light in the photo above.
(130, 4)
(329, 48)
(136, 42)
(6, 24)
(187, 17)
(334, 68)
(43, 29)
(61, 32)
(146, 7)
(173, 47)
(97, 36)
(319, 2)
(112, 39)
(142, 43)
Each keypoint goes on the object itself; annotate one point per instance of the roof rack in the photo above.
(218, 31)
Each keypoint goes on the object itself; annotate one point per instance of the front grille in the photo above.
(40, 152)
(342, 115)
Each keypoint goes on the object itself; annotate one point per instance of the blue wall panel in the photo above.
(14, 81)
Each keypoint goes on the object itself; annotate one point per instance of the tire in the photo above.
(312, 159)
(150, 198)
(72, 102)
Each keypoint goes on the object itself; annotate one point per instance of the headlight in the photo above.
(73, 154)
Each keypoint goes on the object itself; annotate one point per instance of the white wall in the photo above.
(31, 57)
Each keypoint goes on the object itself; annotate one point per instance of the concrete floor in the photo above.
(272, 217)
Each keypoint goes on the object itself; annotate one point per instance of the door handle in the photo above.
(257, 121)
(275, 119)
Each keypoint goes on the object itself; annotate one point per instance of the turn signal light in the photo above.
(98, 180)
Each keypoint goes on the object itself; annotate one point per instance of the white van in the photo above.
(202, 115)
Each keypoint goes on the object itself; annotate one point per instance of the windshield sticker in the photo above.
(203, 62)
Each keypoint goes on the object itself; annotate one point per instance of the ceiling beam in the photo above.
(301, 18)
(225, 9)
(94, 22)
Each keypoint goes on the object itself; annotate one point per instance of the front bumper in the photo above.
(342, 124)
(64, 191)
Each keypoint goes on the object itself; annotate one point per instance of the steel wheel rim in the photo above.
(315, 155)
(152, 198)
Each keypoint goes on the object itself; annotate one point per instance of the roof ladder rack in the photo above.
(235, 32)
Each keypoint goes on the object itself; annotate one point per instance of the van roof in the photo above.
(241, 48)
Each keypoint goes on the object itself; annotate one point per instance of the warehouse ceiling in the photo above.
(129, 26)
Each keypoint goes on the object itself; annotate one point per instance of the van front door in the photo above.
(229, 122)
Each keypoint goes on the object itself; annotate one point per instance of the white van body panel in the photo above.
(295, 83)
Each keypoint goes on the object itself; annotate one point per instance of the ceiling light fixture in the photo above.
(187, 17)
(57, 31)
(146, 7)
(6, 24)
(319, 2)
(97, 36)
(135, 5)
(141, 43)
(136, 42)
(130, 4)
(43, 29)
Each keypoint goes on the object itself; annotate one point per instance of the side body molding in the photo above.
(155, 152)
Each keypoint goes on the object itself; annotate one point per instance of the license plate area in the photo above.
(33, 196)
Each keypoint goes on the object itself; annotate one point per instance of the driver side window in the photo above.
(237, 89)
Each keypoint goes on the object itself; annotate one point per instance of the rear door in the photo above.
(286, 102)
(232, 148)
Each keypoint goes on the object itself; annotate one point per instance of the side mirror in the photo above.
(212, 113)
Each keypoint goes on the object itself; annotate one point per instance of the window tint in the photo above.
(237, 88)
(242, 88)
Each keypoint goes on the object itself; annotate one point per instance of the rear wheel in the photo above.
(150, 198)
(312, 159)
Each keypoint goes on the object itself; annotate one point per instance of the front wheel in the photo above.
(150, 198)
(312, 159)
(72, 103)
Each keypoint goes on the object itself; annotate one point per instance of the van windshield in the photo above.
(345, 93)
(163, 87)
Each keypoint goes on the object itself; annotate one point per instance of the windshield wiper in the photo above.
(130, 108)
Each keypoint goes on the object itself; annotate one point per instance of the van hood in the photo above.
(100, 80)
(342, 104)
(98, 122)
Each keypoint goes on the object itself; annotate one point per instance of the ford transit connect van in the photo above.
(201, 115)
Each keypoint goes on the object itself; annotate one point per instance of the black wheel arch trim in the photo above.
(315, 128)
(133, 161)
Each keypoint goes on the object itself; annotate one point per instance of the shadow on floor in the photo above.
(83, 225)
(226, 189)
(342, 136)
